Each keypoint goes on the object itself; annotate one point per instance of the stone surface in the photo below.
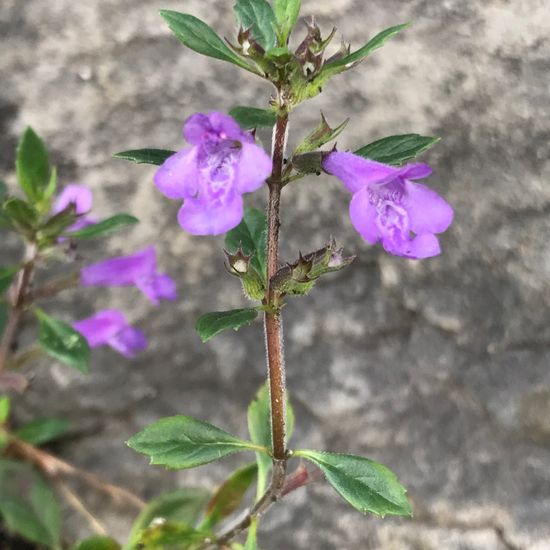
(438, 369)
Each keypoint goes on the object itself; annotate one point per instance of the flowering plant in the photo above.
(222, 162)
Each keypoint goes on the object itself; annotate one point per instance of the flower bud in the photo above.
(238, 264)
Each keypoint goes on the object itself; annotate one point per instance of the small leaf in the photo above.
(7, 275)
(251, 236)
(397, 150)
(146, 156)
(22, 214)
(62, 342)
(229, 496)
(320, 136)
(372, 45)
(258, 16)
(58, 223)
(198, 36)
(251, 117)
(42, 430)
(28, 505)
(103, 228)
(259, 428)
(4, 408)
(183, 505)
(367, 485)
(287, 12)
(32, 165)
(97, 543)
(211, 324)
(181, 442)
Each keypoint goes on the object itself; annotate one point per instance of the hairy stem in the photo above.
(18, 306)
(273, 321)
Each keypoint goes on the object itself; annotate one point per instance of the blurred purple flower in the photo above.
(81, 197)
(222, 163)
(110, 328)
(388, 207)
(138, 270)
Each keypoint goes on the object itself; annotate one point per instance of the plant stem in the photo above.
(18, 306)
(273, 321)
(272, 495)
(54, 468)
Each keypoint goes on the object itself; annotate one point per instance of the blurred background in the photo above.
(439, 369)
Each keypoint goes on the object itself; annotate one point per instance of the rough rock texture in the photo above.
(439, 369)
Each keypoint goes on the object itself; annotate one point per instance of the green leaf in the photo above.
(58, 223)
(172, 536)
(7, 275)
(198, 36)
(146, 156)
(183, 505)
(287, 12)
(52, 184)
(320, 136)
(211, 324)
(258, 16)
(62, 342)
(32, 165)
(103, 228)
(259, 427)
(229, 496)
(367, 485)
(28, 506)
(97, 543)
(372, 45)
(42, 430)
(4, 408)
(397, 150)
(251, 117)
(22, 214)
(181, 442)
(251, 236)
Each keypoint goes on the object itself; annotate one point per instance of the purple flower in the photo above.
(138, 270)
(81, 197)
(388, 207)
(110, 328)
(222, 163)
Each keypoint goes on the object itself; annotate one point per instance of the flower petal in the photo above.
(79, 195)
(129, 342)
(201, 217)
(254, 167)
(428, 212)
(121, 271)
(177, 177)
(415, 171)
(363, 216)
(101, 327)
(420, 247)
(357, 172)
(196, 127)
(158, 287)
(225, 126)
